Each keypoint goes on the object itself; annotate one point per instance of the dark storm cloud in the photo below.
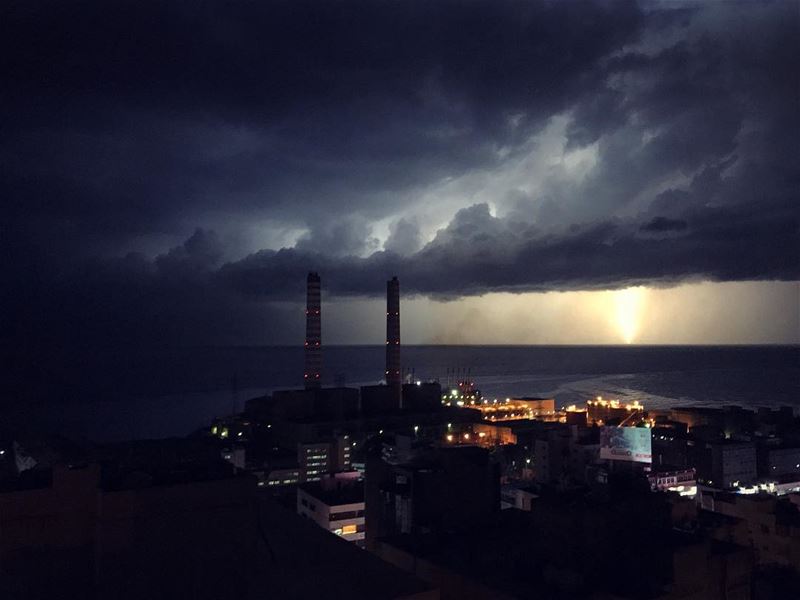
(404, 237)
(141, 116)
(661, 224)
(339, 237)
(147, 119)
(477, 253)
(136, 303)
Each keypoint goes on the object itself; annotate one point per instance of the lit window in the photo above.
(349, 529)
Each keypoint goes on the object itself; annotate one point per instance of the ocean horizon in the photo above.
(122, 393)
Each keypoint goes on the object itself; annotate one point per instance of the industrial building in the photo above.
(612, 412)
(518, 408)
(422, 396)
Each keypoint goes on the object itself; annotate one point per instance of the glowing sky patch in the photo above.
(628, 308)
(692, 313)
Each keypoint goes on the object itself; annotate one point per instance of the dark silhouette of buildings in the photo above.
(170, 519)
(422, 396)
(437, 490)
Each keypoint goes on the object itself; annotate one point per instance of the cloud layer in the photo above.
(169, 172)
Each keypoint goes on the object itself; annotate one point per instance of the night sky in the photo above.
(169, 171)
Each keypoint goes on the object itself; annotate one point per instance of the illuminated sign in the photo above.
(630, 444)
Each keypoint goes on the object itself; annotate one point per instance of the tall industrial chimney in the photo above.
(393, 337)
(313, 349)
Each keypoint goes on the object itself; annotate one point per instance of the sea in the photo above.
(154, 393)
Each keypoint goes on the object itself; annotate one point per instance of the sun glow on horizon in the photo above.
(628, 312)
(688, 313)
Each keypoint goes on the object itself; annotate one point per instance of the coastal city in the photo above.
(413, 489)
(400, 300)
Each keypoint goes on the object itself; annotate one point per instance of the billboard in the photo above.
(626, 443)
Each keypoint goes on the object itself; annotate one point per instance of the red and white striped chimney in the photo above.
(313, 344)
(393, 337)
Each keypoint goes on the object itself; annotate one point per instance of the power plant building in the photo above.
(611, 411)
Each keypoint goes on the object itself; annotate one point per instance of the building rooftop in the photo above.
(147, 463)
(511, 555)
(655, 469)
(308, 562)
(336, 492)
(124, 465)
